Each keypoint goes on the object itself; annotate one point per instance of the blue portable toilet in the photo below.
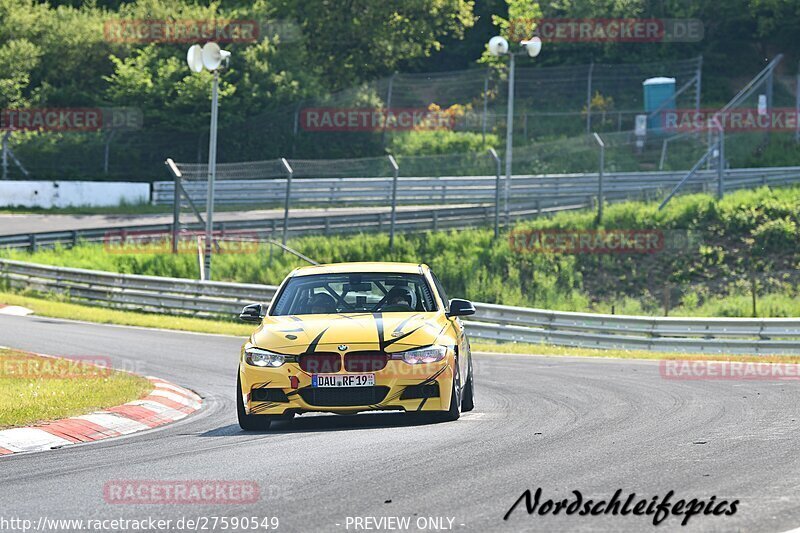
(656, 92)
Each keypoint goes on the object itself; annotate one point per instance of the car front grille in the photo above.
(321, 363)
(344, 396)
(365, 361)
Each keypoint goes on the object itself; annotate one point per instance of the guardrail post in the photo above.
(396, 175)
(289, 174)
(33, 242)
(498, 171)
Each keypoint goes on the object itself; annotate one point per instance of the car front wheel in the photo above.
(249, 422)
(454, 412)
(468, 394)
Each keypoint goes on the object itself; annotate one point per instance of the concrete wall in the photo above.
(72, 193)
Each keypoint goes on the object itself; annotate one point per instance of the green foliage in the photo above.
(60, 55)
(714, 252)
(441, 142)
(360, 39)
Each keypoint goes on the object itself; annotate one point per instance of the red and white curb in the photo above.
(166, 403)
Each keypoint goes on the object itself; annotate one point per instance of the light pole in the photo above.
(498, 46)
(212, 58)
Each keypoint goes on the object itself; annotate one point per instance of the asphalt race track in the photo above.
(561, 424)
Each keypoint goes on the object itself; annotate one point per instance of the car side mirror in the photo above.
(252, 313)
(460, 307)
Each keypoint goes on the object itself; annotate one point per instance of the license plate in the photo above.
(343, 380)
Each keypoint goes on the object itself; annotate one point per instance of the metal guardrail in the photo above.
(492, 322)
(135, 292)
(449, 190)
(407, 220)
(529, 196)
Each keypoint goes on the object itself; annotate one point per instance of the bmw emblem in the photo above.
(342, 347)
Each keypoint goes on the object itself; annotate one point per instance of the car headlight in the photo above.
(429, 354)
(259, 357)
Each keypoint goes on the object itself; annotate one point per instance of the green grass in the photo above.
(749, 235)
(49, 306)
(567, 351)
(125, 209)
(106, 316)
(138, 209)
(36, 389)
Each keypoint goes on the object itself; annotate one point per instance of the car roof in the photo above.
(345, 268)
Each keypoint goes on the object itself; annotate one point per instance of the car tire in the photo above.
(468, 393)
(454, 412)
(249, 422)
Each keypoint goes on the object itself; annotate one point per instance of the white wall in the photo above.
(72, 193)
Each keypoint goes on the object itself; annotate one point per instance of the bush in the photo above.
(438, 142)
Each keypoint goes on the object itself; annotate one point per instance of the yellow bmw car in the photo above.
(354, 337)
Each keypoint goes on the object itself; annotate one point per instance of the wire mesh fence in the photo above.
(550, 101)
(556, 110)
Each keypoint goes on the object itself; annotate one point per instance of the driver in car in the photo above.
(399, 299)
(323, 304)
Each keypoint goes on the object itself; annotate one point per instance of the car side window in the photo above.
(442, 293)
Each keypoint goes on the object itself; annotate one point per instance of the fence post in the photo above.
(498, 171)
(600, 177)
(797, 104)
(289, 174)
(486, 102)
(699, 84)
(5, 154)
(107, 149)
(176, 202)
(396, 175)
(296, 128)
(589, 99)
(388, 108)
(721, 163)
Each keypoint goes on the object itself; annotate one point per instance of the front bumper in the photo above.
(398, 386)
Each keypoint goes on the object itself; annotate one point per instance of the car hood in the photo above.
(390, 332)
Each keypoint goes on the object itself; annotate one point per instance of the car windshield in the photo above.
(354, 293)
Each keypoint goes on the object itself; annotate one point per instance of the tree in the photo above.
(355, 40)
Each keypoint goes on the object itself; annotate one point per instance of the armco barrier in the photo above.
(491, 322)
(431, 218)
(449, 190)
(460, 202)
